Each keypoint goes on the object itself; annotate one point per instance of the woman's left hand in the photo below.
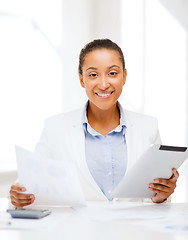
(163, 188)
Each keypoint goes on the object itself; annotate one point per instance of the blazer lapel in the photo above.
(78, 139)
(129, 140)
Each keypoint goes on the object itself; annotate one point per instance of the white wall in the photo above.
(106, 19)
(132, 43)
(83, 21)
(76, 33)
(179, 9)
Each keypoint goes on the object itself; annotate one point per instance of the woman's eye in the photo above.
(113, 73)
(93, 75)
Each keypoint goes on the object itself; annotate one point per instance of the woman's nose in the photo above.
(103, 83)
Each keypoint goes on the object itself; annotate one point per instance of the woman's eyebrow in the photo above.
(93, 68)
(114, 66)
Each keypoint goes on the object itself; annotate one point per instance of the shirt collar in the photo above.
(88, 128)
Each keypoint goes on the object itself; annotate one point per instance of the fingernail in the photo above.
(23, 189)
(32, 197)
(156, 180)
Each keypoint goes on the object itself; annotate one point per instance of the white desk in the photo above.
(106, 221)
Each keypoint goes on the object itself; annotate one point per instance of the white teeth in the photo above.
(103, 94)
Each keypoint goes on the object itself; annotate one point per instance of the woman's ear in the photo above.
(124, 76)
(81, 80)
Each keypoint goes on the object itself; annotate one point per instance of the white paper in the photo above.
(53, 182)
(176, 220)
(128, 211)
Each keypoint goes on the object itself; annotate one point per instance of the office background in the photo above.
(40, 42)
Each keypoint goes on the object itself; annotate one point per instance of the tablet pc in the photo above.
(156, 162)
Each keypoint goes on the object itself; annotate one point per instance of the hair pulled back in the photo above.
(99, 44)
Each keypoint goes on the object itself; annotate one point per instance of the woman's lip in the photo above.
(104, 95)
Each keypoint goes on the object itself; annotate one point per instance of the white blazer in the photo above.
(63, 139)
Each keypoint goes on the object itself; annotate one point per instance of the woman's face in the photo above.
(103, 77)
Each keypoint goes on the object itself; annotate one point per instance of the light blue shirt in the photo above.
(106, 156)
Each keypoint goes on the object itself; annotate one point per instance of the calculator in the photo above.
(29, 213)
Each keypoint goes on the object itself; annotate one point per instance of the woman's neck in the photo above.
(103, 121)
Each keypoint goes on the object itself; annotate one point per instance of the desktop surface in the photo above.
(102, 220)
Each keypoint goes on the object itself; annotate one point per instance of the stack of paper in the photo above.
(53, 182)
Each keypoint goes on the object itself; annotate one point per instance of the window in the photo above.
(155, 49)
(30, 76)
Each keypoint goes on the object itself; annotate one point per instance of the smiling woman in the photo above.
(102, 73)
(102, 138)
(103, 78)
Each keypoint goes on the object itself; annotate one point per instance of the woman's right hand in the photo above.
(18, 198)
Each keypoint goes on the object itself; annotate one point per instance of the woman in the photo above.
(102, 139)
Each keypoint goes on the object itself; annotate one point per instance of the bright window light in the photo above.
(30, 76)
(165, 89)
(155, 49)
(165, 95)
(132, 42)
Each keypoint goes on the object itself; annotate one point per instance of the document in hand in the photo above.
(53, 182)
(156, 162)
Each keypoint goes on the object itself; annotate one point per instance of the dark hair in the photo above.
(99, 44)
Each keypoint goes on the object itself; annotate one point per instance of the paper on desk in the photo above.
(53, 182)
(128, 211)
(175, 220)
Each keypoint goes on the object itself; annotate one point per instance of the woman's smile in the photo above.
(104, 95)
